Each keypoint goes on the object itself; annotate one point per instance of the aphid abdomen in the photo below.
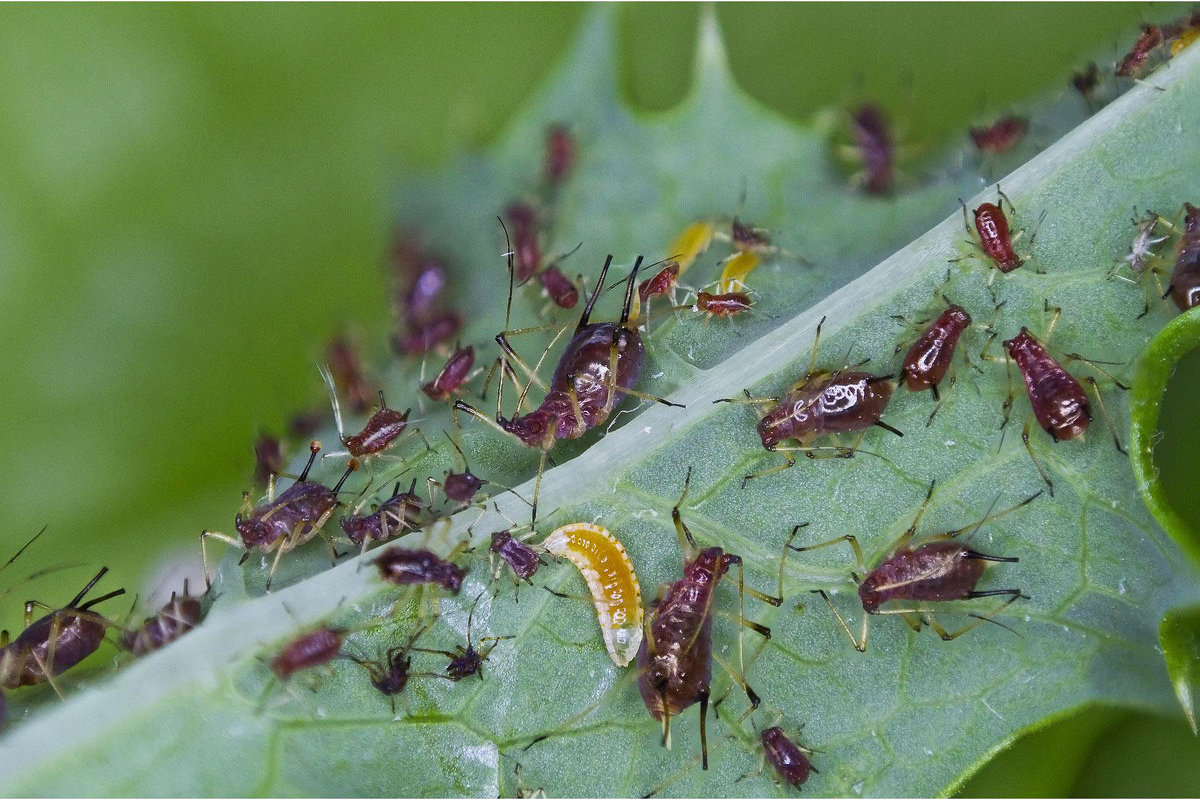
(293, 514)
(837, 403)
(786, 756)
(559, 287)
(176, 618)
(1058, 401)
(934, 572)
(1185, 277)
(310, 650)
(927, 361)
(79, 635)
(381, 429)
(995, 238)
(458, 366)
(608, 572)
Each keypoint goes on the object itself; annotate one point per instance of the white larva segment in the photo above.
(608, 572)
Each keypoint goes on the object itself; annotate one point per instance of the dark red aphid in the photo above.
(380, 431)
(310, 650)
(662, 282)
(1086, 82)
(305, 423)
(56, 642)
(425, 285)
(392, 675)
(268, 457)
(994, 237)
(749, 238)
(876, 148)
(1000, 136)
(452, 376)
(284, 522)
(527, 253)
(559, 287)
(727, 304)
(180, 614)
(927, 361)
(675, 657)
(560, 153)
(1134, 62)
(520, 557)
(932, 569)
(465, 662)
(1058, 400)
(348, 376)
(397, 515)
(439, 327)
(789, 759)
(403, 567)
(1185, 277)
(459, 487)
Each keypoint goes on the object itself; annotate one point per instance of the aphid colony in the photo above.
(667, 646)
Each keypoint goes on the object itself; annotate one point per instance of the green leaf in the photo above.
(913, 715)
(1179, 634)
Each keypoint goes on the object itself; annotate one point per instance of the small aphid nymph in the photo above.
(180, 614)
(1000, 136)
(405, 567)
(452, 376)
(789, 759)
(307, 651)
(928, 360)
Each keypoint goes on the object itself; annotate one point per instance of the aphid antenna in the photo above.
(23, 548)
(327, 376)
(39, 574)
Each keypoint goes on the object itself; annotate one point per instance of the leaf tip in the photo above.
(712, 61)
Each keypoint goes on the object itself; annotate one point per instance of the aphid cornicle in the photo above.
(178, 616)
(821, 403)
(676, 653)
(1185, 277)
(930, 569)
(282, 523)
(611, 581)
(602, 362)
(56, 642)
(453, 375)
(405, 567)
(397, 515)
(467, 661)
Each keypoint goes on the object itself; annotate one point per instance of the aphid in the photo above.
(282, 523)
(397, 515)
(995, 238)
(691, 244)
(749, 239)
(465, 662)
(392, 675)
(1058, 401)
(459, 487)
(1185, 277)
(1001, 135)
(928, 359)
(526, 253)
(819, 404)
(1134, 62)
(56, 642)
(676, 653)
(421, 337)
(662, 283)
(405, 567)
(522, 559)
(456, 372)
(1142, 260)
(560, 153)
(346, 370)
(180, 614)
(601, 363)
(381, 429)
(874, 148)
(736, 270)
(1185, 38)
(425, 285)
(305, 423)
(559, 287)
(726, 305)
(307, 651)
(789, 759)
(608, 572)
(921, 571)
(268, 457)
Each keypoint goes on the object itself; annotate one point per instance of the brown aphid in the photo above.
(725, 305)
(307, 651)
(789, 759)
(405, 567)
(1185, 277)
(391, 675)
(56, 642)
(465, 662)
(560, 153)
(178, 616)
(584, 388)
(1086, 82)
(459, 487)
(381, 429)
(522, 559)
(747, 238)
(675, 657)
(282, 523)
(1150, 40)
(928, 359)
(932, 569)
(663, 282)
(526, 251)
(421, 337)
(425, 286)
(821, 403)
(396, 516)
(456, 372)
(991, 225)
(875, 148)
(269, 457)
(559, 288)
(349, 379)
(1000, 136)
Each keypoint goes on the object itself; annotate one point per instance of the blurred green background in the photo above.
(194, 198)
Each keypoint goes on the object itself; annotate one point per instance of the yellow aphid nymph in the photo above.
(737, 268)
(606, 568)
(694, 240)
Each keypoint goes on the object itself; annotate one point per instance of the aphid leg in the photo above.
(1034, 458)
(859, 645)
(979, 619)
(1093, 364)
(204, 537)
(536, 367)
(912, 529)
(812, 359)
(687, 544)
(1104, 412)
(788, 463)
